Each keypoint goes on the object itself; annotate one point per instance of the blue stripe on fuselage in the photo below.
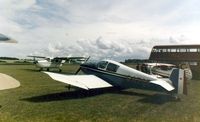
(119, 80)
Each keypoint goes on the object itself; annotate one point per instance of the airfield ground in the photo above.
(42, 99)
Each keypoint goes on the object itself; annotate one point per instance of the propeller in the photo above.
(80, 67)
(78, 71)
(87, 59)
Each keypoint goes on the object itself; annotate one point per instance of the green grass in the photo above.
(41, 99)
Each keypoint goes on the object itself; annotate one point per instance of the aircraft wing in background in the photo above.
(6, 39)
(36, 56)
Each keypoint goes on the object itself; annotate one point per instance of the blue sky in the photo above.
(113, 29)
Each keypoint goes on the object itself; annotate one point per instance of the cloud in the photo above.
(102, 29)
(101, 48)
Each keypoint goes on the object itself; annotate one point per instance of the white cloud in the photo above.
(127, 29)
(101, 48)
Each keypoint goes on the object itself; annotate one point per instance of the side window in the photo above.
(164, 68)
(102, 64)
(112, 67)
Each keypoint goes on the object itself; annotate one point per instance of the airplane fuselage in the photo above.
(120, 75)
(47, 64)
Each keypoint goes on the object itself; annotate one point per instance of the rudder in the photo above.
(179, 81)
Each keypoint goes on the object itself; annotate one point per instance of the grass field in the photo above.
(41, 99)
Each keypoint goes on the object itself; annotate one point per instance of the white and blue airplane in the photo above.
(6, 81)
(109, 73)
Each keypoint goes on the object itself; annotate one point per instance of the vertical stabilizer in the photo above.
(179, 81)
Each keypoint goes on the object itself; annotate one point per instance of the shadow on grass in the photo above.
(159, 99)
(77, 94)
(81, 94)
(152, 99)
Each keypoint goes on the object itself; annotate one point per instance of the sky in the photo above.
(112, 29)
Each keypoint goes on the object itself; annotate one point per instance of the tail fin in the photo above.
(179, 81)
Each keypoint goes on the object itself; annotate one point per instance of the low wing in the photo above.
(82, 81)
(163, 84)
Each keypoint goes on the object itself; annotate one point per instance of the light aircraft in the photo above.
(55, 63)
(109, 73)
(48, 63)
(164, 69)
(6, 81)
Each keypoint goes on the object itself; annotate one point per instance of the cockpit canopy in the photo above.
(103, 65)
(108, 66)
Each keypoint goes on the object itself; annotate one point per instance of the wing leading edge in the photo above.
(82, 81)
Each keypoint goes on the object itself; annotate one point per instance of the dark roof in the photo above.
(176, 46)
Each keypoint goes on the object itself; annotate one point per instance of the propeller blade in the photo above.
(80, 67)
(78, 71)
(87, 59)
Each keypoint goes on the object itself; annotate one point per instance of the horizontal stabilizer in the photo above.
(163, 84)
(82, 81)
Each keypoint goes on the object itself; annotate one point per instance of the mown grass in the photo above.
(41, 99)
